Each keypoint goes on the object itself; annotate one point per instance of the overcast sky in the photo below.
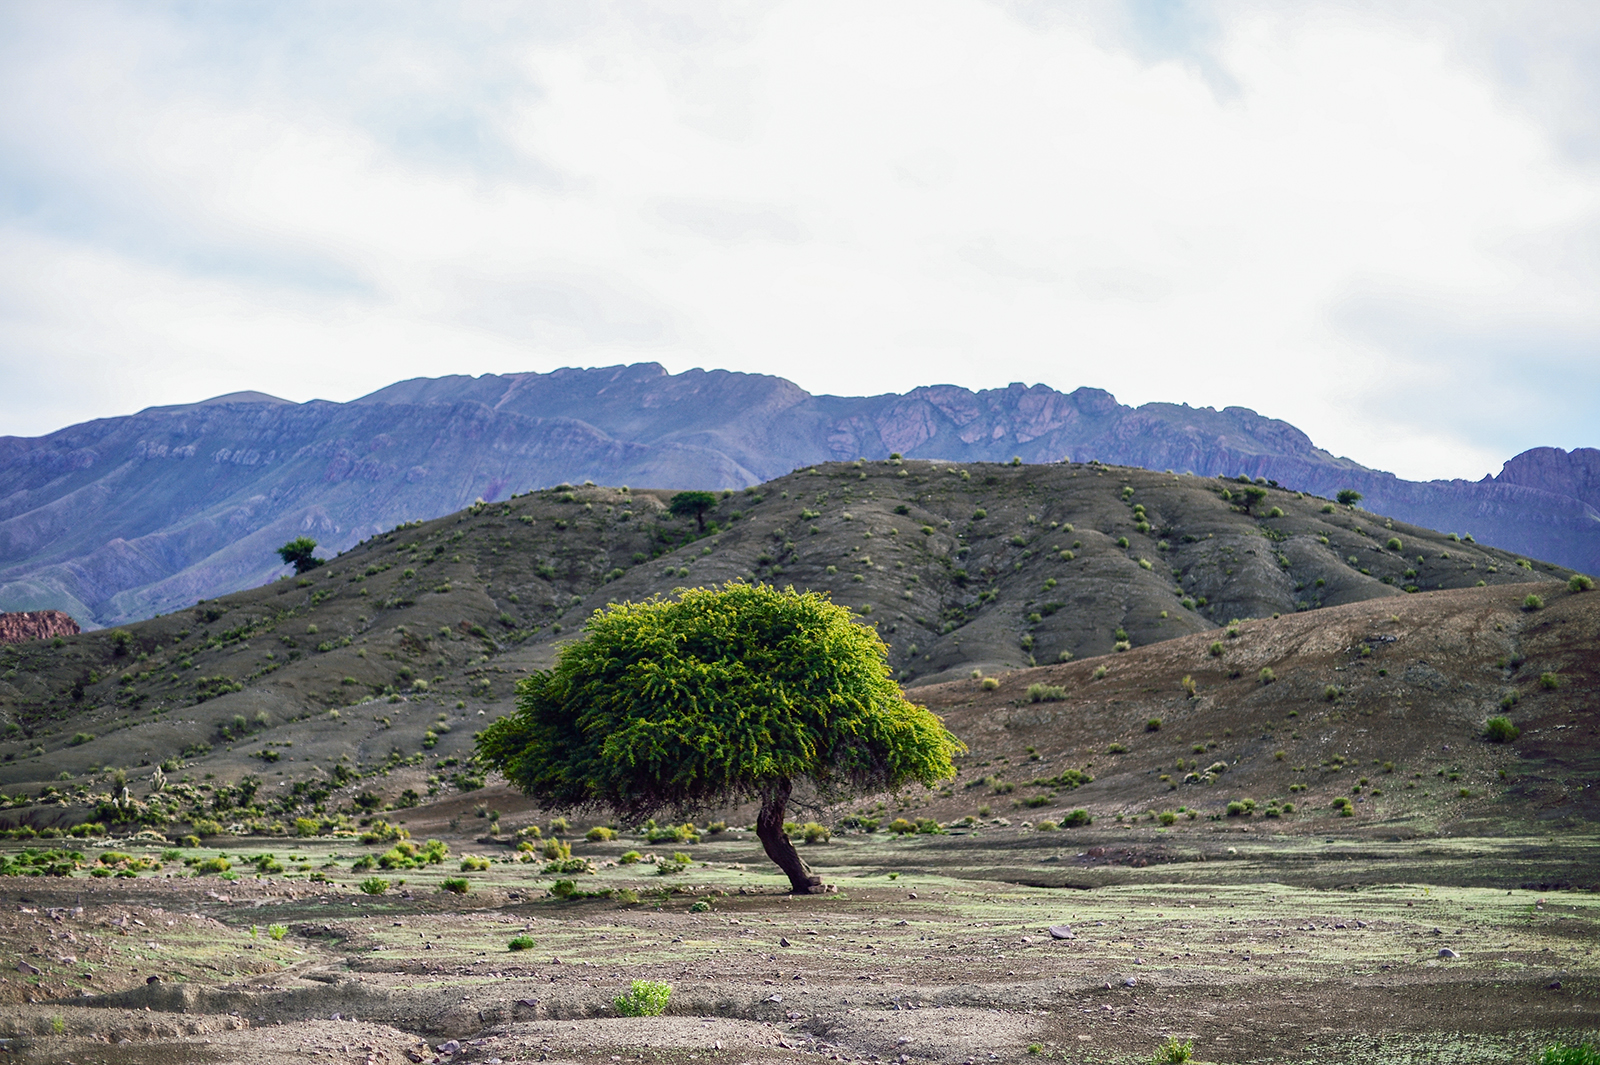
(1379, 221)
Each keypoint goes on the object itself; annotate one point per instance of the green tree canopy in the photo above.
(717, 698)
(297, 553)
(1252, 496)
(692, 505)
(1349, 496)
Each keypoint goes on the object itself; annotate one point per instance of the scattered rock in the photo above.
(911, 894)
(26, 969)
(1061, 931)
(449, 1048)
(782, 942)
(1130, 982)
(152, 980)
(1554, 985)
(1446, 952)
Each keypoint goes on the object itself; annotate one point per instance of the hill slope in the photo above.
(372, 672)
(122, 518)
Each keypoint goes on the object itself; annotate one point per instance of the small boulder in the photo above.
(1447, 953)
(1061, 931)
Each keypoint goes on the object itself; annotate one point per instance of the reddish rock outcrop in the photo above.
(36, 625)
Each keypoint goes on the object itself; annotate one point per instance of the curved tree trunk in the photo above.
(769, 826)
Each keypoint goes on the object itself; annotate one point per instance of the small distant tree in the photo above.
(297, 553)
(1252, 496)
(1349, 497)
(677, 708)
(692, 505)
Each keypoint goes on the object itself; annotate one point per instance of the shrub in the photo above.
(1550, 681)
(374, 885)
(1167, 817)
(277, 932)
(1267, 676)
(1153, 725)
(1076, 819)
(990, 683)
(474, 864)
(1533, 602)
(901, 827)
(1216, 648)
(600, 834)
(1046, 693)
(1500, 730)
(1579, 583)
(645, 998)
(520, 943)
(1394, 544)
(456, 885)
(556, 850)
(1173, 1052)
(1349, 497)
(212, 866)
(629, 858)
(816, 833)
(1584, 1053)
(80, 738)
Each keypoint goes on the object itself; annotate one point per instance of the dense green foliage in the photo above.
(720, 696)
(298, 553)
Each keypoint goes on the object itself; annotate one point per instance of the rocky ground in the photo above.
(935, 948)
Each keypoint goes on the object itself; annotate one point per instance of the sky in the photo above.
(1377, 221)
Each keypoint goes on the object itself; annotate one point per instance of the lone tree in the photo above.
(1349, 496)
(1252, 496)
(297, 553)
(692, 505)
(718, 698)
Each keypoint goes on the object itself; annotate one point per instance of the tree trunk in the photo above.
(769, 826)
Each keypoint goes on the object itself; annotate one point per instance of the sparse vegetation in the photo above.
(645, 998)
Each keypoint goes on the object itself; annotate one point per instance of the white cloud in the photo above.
(1336, 214)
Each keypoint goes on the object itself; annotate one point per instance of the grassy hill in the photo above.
(332, 694)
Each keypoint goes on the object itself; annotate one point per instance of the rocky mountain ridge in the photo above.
(41, 625)
(122, 518)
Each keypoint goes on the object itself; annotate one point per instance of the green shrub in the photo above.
(474, 864)
(645, 998)
(813, 832)
(1500, 730)
(1550, 681)
(212, 866)
(277, 932)
(456, 885)
(700, 906)
(1046, 693)
(600, 834)
(990, 683)
(1584, 1053)
(1216, 649)
(1394, 544)
(521, 943)
(901, 827)
(1173, 1052)
(1579, 583)
(1267, 676)
(374, 885)
(80, 738)
(629, 857)
(1076, 819)
(1349, 497)
(1533, 602)
(1153, 725)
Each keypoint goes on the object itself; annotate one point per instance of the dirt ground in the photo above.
(935, 948)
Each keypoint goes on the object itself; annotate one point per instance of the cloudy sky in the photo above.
(1380, 221)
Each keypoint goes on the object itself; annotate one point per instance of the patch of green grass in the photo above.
(521, 943)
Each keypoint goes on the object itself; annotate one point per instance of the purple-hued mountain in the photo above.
(121, 518)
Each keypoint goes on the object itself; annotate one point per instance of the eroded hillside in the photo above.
(371, 673)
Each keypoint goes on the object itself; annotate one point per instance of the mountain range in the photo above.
(123, 518)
